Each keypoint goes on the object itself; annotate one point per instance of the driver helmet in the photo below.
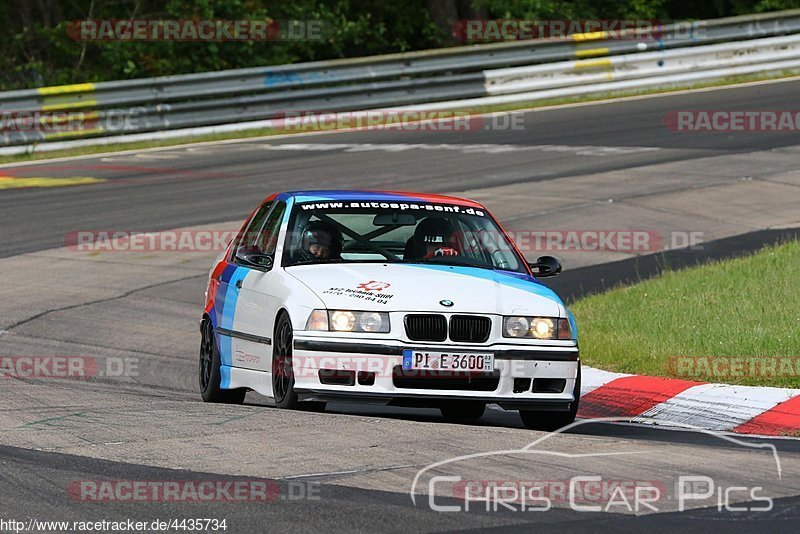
(435, 234)
(320, 241)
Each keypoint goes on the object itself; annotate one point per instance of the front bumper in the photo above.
(370, 371)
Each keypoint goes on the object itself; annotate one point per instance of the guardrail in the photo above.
(632, 72)
(453, 78)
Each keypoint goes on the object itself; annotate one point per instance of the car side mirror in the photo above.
(255, 259)
(545, 266)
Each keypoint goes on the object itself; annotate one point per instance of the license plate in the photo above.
(447, 361)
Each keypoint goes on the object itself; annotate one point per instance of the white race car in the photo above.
(392, 298)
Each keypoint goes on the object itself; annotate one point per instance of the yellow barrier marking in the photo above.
(13, 182)
(78, 116)
(74, 133)
(592, 52)
(589, 36)
(592, 63)
(73, 104)
(66, 97)
(62, 89)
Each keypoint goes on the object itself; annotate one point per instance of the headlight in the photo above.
(318, 320)
(516, 327)
(371, 322)
(342, 321)
(543, 328)
(348, 321)
(537, 328)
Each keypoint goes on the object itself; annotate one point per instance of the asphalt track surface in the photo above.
(611, 165)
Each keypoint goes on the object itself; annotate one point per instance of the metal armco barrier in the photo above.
(453, 78)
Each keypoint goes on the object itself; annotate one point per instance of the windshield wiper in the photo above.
(451, 262)
(338, 260)
(313, 262)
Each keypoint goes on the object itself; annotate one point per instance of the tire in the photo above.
(210, 375)
(550, 421)
(282, 372)
(463, 411)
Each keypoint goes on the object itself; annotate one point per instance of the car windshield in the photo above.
(386, 231)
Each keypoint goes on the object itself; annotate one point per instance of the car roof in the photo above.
(374, 195)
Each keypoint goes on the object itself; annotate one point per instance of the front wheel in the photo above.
(282, 372)
(210, 372)
(549, 421)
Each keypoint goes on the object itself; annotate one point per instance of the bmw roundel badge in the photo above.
(447, 303)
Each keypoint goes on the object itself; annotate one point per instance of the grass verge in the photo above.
(102, 149)
(735, 321)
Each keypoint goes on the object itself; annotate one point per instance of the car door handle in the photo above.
(238, 284)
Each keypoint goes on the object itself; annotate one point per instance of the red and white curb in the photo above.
(669, 401)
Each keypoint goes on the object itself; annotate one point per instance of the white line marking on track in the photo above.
(349, 472)
(138, 158)
(580, 150)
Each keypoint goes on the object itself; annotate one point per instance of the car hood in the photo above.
(416, 287)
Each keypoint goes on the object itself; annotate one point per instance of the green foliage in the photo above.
(38, 51)
(43, 54)
(665, 10)
(577, 9)
(740, 308)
